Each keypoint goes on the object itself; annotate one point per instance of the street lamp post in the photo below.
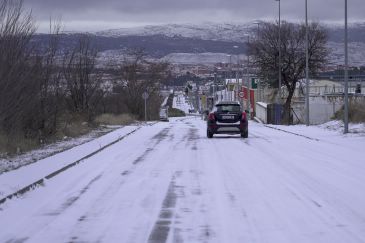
(248, 81)
(214, 83)
(259, 88)
(346, 111)
(230, 77)
(279, 44)
(306, 64)
(236, 89)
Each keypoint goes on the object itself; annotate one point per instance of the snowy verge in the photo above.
(9, 163)
(13, 181)
(324, 131)
(338, 126)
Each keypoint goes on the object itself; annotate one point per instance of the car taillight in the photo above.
(211, 117)
(244, 116)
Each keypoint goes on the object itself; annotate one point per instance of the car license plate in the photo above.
(227, 117)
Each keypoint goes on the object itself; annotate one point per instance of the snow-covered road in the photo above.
(169, 183)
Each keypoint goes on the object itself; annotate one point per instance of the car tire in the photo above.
(244, 134)
(209, 134)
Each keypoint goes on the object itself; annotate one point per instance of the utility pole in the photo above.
(259, 86)
(306, 65)
(230, 77)
(145, 97)
(236, 88)
(248, 82)
(214, 83)
(279, 44)
(346, 111)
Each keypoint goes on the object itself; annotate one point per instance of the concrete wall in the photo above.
(321, 108)
(261, 111)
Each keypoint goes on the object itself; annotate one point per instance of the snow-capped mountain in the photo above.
(205, 43)
(206, 31)
(228, 33)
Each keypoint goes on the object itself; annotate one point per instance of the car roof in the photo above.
(227, 103)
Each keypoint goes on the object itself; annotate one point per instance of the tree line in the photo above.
(44, 89)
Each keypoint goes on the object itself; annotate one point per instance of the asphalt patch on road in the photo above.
(163, 134)
(162, 227)
(143, 156)
(193, 138)
(206, 233)
(21, 240)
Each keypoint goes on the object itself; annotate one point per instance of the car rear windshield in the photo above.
(228, 108)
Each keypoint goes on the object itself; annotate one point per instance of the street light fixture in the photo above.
(257, 22)
(279, 88)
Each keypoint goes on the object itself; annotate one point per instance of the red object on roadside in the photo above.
(244, 116)
(211, 117)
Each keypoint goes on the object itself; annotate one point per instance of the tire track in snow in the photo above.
(99, 204)
(71, 200)
(167, 216)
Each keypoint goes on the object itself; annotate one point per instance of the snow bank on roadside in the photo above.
(14, 180)
(338, 126)
(326, 130)
(17, 161)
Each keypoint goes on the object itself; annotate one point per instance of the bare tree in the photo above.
(138, 75)
(265, 51)
(82, 77)
(51, 92)
(17, 69)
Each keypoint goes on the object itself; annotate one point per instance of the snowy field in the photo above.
(169, 183)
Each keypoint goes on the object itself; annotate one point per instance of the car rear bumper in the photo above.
(235, 128)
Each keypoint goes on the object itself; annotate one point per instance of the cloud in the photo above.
(134, 12)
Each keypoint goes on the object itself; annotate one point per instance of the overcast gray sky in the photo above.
(91, 15)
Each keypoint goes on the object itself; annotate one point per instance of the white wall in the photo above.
(261, 111)
(321, 109)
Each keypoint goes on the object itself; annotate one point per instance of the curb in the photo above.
(59, 171)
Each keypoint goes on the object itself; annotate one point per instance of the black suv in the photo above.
(227, 117)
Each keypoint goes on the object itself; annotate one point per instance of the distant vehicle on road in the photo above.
(227, 118)
(164, 114)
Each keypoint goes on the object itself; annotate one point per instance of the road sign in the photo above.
(254, 82)
(145, 95)
(241, 94)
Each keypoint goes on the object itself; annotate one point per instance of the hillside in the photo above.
(209, 42)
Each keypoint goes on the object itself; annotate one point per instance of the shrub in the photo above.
(356, 112)
(173, 112)
(111, 119)
(17, 143)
